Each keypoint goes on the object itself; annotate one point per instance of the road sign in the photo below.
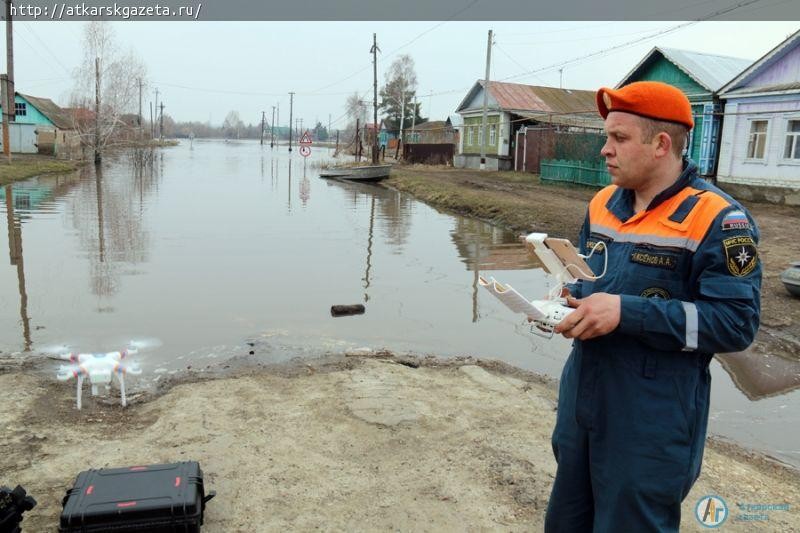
(305, 150)
(305, 139)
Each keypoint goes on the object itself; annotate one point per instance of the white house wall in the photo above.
(773, 171)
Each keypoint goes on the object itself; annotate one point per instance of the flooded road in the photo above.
(223, 248)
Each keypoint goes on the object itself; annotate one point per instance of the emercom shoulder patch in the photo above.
(741, 256)
(735, 220)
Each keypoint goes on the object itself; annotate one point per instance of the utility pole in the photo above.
(140, 105)
(155, 130)
(97, 155)
(161, 123)
(430, 98)
(272, 129)
(414, 119)
(291, 109)
(485, 101)
(262, 128)
(374, 51)
(11, 95)
(329, 127)
(4, 100)
(561, 78)
(358, 141)
(300, 131)
(152, 124)
(279, 122)
(402, 112)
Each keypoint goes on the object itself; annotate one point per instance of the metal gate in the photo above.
(22, 137)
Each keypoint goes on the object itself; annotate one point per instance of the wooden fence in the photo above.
(580, 172)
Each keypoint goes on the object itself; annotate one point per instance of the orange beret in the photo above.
(651, 99)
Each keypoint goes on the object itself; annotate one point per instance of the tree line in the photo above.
(106, 104)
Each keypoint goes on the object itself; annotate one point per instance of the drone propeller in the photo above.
(57, 351)
(67, 352)
(131, 368)
(144, 343)
(67, 372)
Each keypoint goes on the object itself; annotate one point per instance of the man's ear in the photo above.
(663, 144)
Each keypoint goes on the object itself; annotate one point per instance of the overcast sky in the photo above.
(206, 69)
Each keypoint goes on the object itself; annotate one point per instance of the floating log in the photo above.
(346, 310)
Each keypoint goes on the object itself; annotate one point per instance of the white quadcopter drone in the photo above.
(562, 261)
(99, 368)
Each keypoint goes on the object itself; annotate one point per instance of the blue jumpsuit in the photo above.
(633, 404)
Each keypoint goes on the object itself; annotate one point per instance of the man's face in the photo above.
(628, 159)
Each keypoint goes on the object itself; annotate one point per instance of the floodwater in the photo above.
(221, 248)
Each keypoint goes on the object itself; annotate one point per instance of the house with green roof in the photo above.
(700, 76)
(40, 125)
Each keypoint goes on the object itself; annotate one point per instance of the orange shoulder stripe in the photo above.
(654, 226)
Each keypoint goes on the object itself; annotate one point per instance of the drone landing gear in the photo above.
(79, 389)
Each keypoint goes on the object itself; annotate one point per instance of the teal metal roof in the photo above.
(709, 70)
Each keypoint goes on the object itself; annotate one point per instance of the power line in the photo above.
(241, 93)
(562, 30)
(520, 65)
(601, 52)
(637, 41)
(581, 39)
(28, 27)
(392, 52)
(611, 49)
(30, 46)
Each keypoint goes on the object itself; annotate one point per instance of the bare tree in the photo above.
(106, 87)
(352, 108)
(232, 124)
(398, 92)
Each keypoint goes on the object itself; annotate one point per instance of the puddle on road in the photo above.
(217, 244)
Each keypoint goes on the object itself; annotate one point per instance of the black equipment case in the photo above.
(155, 498)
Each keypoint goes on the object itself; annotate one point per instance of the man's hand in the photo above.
(596, 315)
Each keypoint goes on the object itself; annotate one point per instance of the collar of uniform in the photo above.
(621, 202)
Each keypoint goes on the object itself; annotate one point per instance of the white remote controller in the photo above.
(554, 311)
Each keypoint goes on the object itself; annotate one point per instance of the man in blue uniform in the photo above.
(683, 282)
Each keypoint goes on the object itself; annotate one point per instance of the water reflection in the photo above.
(16, 259)
(393, 210)
(759, 374)
(289, 202)
(305, 190)
(21, 200)
(483, 246)
(109, 215)
(365, 279)
(203, 256)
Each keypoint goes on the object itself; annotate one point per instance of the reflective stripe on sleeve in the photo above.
(646, 238)
(692, 323)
